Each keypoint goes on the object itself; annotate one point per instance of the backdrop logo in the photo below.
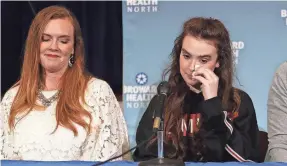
(139, 96)
(142, 6)
(284, 15)
(141, 78)
(237, 46)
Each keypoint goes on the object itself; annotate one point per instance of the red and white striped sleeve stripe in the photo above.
(227, 147)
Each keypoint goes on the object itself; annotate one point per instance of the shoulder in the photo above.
(96, 84)
(148, 113)
(10, 95)
(282, 69)
(98, 88)
(7, 101)
(281, 74)
(278, 89)
(246, 103)
(279, 82)
(246, 108)
(244, 96)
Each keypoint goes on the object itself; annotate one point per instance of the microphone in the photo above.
(162, 92)
(158, 127)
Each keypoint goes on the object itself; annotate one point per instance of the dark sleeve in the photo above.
(144, 132)
(230, 141)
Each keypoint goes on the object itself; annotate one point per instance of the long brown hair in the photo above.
(73, 82)
(208, 29)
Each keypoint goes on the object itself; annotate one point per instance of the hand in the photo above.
(209, 82)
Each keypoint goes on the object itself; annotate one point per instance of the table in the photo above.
(123, 163)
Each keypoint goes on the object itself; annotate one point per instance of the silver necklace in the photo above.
(47, 102)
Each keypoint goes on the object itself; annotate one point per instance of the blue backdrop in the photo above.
(258, 31)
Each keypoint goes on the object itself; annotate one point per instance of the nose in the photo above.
(192, 65)
(54, 45)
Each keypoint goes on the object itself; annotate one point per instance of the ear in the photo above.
(217, 64)
(73, 52)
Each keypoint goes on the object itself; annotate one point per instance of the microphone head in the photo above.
(163, 88)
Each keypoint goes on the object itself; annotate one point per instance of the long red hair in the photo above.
(73, 83)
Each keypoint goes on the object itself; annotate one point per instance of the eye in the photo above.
(64, 41)
(203, 61)
(45, 38)
(186, 56)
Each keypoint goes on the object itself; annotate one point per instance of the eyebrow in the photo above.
(202, 56)
(61, 36)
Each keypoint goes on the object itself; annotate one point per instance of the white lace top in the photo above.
(32, 138)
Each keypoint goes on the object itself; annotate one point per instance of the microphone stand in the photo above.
(161, 160)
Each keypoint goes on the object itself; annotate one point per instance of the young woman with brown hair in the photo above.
(206, 118)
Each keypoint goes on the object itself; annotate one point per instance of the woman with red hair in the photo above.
(57, 110)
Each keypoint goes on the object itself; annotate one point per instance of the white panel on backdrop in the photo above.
(258, 31)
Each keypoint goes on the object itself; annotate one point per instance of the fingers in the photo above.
(207, 73)
(201, 79)
(212, 74)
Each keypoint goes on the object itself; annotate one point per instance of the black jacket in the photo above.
(225, 138)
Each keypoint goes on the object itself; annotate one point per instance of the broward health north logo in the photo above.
(141, 78)
(237, 46)
(142, 6)
(284, 15)
(140, 95)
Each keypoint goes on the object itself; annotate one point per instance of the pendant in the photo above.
(46, 103)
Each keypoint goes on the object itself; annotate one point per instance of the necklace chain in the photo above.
(47, 102)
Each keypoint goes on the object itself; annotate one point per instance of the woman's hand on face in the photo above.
(209, 82)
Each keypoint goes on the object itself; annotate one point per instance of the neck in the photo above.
(52, 80)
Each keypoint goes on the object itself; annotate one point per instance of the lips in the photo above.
(52, 55)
